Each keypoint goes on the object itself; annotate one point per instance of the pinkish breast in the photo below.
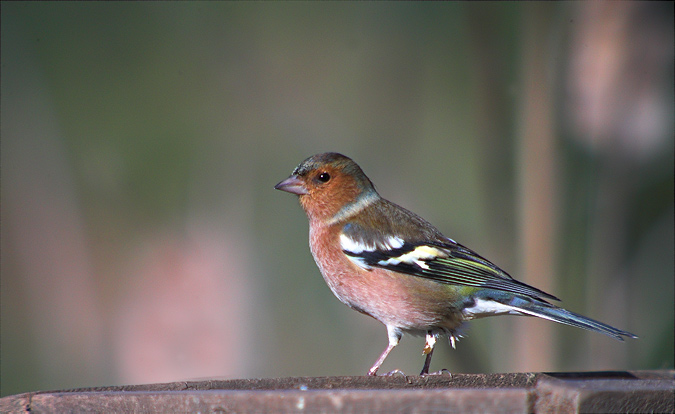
(410, 303)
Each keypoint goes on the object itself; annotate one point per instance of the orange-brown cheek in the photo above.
(324, 203)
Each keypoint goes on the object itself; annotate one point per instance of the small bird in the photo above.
(389, 263)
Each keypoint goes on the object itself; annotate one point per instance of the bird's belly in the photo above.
(412, 304)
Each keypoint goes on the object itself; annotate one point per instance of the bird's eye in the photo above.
(324, 177)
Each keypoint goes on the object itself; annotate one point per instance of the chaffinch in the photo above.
(389, 263)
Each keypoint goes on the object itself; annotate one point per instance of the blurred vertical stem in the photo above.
(535, 349)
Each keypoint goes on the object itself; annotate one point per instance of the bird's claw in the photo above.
(441, 372)
(394, 373)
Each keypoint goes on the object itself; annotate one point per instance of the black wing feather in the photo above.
(460, 266)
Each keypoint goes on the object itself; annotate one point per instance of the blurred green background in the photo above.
(142, 240)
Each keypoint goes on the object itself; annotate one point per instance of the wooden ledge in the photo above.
(615, 391)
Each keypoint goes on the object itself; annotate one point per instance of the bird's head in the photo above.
(327, 184)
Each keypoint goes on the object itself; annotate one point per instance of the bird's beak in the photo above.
(292, 184)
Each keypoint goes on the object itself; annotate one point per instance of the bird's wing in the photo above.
(443, 261)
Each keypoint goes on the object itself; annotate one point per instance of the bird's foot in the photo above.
(441, 372)
(372, 373)
(394, 373)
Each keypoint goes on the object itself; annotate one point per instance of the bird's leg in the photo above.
(428, 351)
(427, 362)
(394, 337)
(380, 360)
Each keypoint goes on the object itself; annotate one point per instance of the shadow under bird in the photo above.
(389, 263)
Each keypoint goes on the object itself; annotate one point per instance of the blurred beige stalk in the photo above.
(535, 347)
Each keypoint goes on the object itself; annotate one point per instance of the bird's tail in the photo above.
(560, 315)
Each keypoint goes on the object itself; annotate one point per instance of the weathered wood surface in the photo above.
(634, 391)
